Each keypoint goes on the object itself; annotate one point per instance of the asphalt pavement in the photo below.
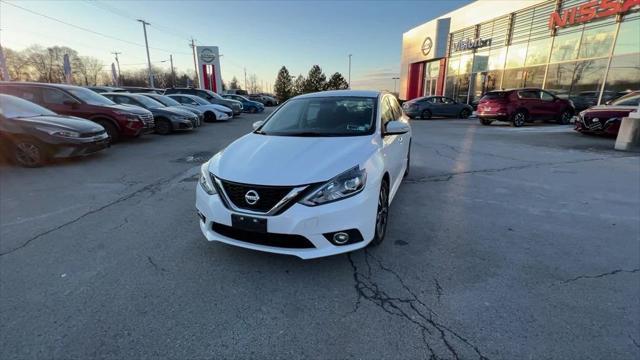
(503, 243)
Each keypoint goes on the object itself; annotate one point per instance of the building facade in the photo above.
(582, 50)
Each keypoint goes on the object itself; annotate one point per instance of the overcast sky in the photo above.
(259, 35)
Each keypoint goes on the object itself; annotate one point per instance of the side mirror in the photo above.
(257, 124)
(395, 127)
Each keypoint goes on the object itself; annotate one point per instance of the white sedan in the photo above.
(314, 179)
(212, 112)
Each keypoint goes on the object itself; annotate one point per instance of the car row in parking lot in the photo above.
(41, 121)
(526, 105)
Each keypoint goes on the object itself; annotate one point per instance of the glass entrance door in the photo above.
(431, 71)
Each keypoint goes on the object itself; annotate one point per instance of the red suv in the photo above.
(520, 106)
(118, 120)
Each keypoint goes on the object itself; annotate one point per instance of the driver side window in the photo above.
(545, 96)
(55, 96)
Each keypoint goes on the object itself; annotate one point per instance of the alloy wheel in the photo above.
(28, 154)
(382, 213)
(565, 118)
(519, 119)
(464, 113)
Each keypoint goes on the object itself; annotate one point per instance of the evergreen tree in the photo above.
(283, 87)
(234, 83)
(337, 82)
(298, 85)
(316, 80)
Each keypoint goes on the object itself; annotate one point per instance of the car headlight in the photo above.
(205, 179)
(59, 133)
(340, 187)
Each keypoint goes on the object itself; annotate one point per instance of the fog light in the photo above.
(340, 238)
(201, 216)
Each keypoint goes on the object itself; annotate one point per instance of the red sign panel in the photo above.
(588, 11)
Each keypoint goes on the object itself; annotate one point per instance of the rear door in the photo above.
(530, 100)
(549, 107)
(450, 107)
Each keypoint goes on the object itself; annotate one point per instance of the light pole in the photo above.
(195, 64)
(146, 44)
(349, 71)
(395, 81)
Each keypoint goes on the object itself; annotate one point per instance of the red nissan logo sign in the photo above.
(588, 11)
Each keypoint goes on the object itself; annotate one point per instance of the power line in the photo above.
(87, 30)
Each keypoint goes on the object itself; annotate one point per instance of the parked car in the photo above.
(606, 119)
(171, 103)
(31, 135)
(328, 159)
(210, 96)
(263, 99)
(236, 92)
(212, 112)
(587, 99)
(428, 106)
(167, 119)
(77, 101)
(138, 89)
(104, 89)
(247, 105)
(520, 106)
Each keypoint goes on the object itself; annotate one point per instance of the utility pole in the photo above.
(349, 71)
(146, 44)
(118, 63)
(395, 79)
(173, 73)
(195, 63)
(245, 78)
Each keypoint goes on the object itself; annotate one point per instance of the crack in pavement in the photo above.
(151, 189)
(600, 275)
(438, 289)
(449, 176)
(155, 265)
(634, 341)
(408, 307)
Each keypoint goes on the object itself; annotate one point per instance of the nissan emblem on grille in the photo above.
(251, 197)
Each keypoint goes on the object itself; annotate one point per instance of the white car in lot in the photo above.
(212, 112)
(314, 179)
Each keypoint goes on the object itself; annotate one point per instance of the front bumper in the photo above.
(357, 212)
(80, 147)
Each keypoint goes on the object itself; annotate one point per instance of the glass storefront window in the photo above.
(513, 78)
(434, 69)
(565, 47)
(481, 61)
(624, 73)
(452, 66)
(559, 78)
(534, 76)
(538, 52)
(516, 55)
(588, 75)
(523, 77)
(497, 58)
(466, 61)
(628, 39)
(597, 42)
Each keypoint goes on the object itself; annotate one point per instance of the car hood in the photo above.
(190, 110)
(62, 122)
(169, 111)
(290, 160)
(612, 108)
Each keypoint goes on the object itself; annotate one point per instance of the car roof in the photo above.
(352, 93)
(33, 83)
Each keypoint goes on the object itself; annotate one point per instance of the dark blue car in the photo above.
(248, 105)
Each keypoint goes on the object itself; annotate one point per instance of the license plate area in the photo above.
(249, 223)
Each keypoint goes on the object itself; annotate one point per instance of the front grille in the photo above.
(92, 134)
(146, 118)
(592, 125)
(269, 195)
(267, 239)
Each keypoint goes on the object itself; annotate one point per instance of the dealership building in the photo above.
(573, 48)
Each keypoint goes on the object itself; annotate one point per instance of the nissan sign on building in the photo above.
(575, 49)
(209, 68)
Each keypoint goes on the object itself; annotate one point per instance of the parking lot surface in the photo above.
(503, 243)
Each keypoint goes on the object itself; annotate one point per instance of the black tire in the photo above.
(465, 113)
(426, 114)
(519, 118)
(565, 117)
(163, 126)
(210, 116)
(486, 122)
(269, 103)
(28, 153)
(406, 171)
(112, 130)
(382, 214)
(253, 110)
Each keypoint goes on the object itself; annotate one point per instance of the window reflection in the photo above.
(565, 47)
(538, 52)
(628, 39)
(516, 55)
(497, 58)
(597, 42)
(559, 78)
(624, 73)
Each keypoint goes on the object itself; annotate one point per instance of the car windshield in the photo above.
(216, 96)
(90, 97)
(628, 100)
(148, 102)
(13, 107)
(165, 100)
(322, 116)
